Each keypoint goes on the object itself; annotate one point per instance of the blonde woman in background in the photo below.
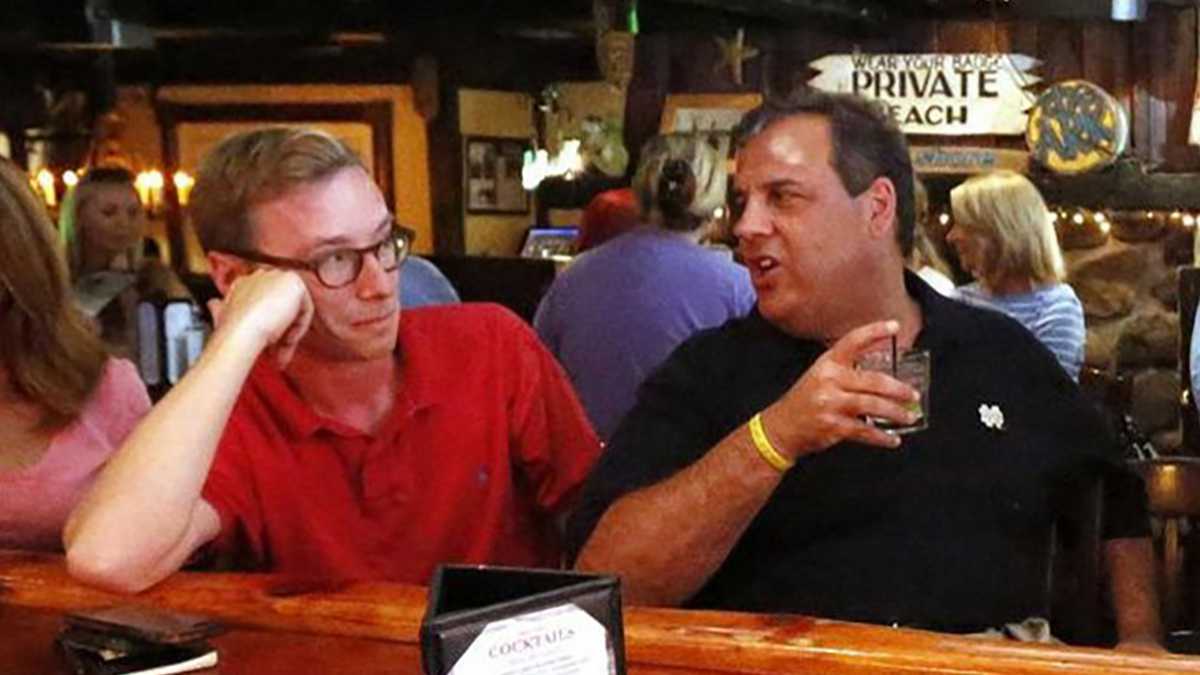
(620, 308)
(103, 226)
(925, 259)
(65, 405)
(1005, 239)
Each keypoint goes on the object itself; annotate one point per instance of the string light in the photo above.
(1104, 220)
(944, 218)
(70, 178)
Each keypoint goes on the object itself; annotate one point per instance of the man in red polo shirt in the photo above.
(321, 434)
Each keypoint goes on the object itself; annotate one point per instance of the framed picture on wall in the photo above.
(705, 112)
(492, 174)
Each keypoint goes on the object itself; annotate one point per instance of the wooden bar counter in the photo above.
(283, 626)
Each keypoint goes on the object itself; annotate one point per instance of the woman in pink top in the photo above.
(65, 405)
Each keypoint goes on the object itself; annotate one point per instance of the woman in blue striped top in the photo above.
(1004, 238)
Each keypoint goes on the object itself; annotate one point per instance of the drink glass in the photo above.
(911, 368)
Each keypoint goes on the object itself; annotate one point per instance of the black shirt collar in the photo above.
(945, 322)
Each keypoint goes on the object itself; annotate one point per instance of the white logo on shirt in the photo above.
(991, 416)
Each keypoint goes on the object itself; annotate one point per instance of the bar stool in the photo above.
(1173, 494)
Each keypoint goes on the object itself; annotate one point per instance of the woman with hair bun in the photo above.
(620, 308)
(1004, 238)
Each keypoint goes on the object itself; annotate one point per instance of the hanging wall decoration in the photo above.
(686, 113)
(1076, 127)
(492, 174)
(938, 94)
(734, 53)
(615, 52)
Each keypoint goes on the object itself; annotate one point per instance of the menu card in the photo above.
(509, 621)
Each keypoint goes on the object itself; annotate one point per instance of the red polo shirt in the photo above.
(487, 443)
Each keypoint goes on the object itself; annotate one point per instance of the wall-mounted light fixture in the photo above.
(1129, 10)
(183, 186)
(149, 186)
(539, 165)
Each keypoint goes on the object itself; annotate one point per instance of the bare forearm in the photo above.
(137, 520)
(1135, 600)
(665, 541)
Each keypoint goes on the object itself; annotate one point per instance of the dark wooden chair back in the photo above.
(1173, 496)
(516, 283)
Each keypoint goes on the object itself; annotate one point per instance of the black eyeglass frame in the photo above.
(398, 235)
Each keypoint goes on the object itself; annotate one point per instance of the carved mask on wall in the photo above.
(614, 53)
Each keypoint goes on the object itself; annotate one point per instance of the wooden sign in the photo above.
(1076, 127)
(938, 94)
(966, 160)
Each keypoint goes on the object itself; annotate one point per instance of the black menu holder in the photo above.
(495, 620)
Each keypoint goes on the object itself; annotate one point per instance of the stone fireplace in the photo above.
(1123, 266)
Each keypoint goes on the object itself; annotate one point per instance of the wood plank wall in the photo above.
(1150, 66)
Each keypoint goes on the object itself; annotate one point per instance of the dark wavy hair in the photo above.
(867, 144)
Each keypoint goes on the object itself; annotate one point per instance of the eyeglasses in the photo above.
(341, 267)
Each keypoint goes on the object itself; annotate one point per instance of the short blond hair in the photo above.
(253, 167)
(1007, 209)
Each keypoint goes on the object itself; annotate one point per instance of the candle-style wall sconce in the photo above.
(184, 183)
(52, 187)
(45, 184)
(149, 186)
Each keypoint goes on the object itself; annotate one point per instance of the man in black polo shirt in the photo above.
(745, 478)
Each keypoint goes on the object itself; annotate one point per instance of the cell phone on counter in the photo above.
(133, 640)
(144, 624)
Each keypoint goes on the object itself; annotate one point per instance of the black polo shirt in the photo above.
(952, 531)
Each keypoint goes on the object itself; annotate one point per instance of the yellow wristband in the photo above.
(764, 447)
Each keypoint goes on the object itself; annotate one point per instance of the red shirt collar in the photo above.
(424, 384)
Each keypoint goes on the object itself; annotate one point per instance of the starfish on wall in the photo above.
(734, 52)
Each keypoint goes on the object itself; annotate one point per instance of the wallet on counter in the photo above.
(131, 640)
